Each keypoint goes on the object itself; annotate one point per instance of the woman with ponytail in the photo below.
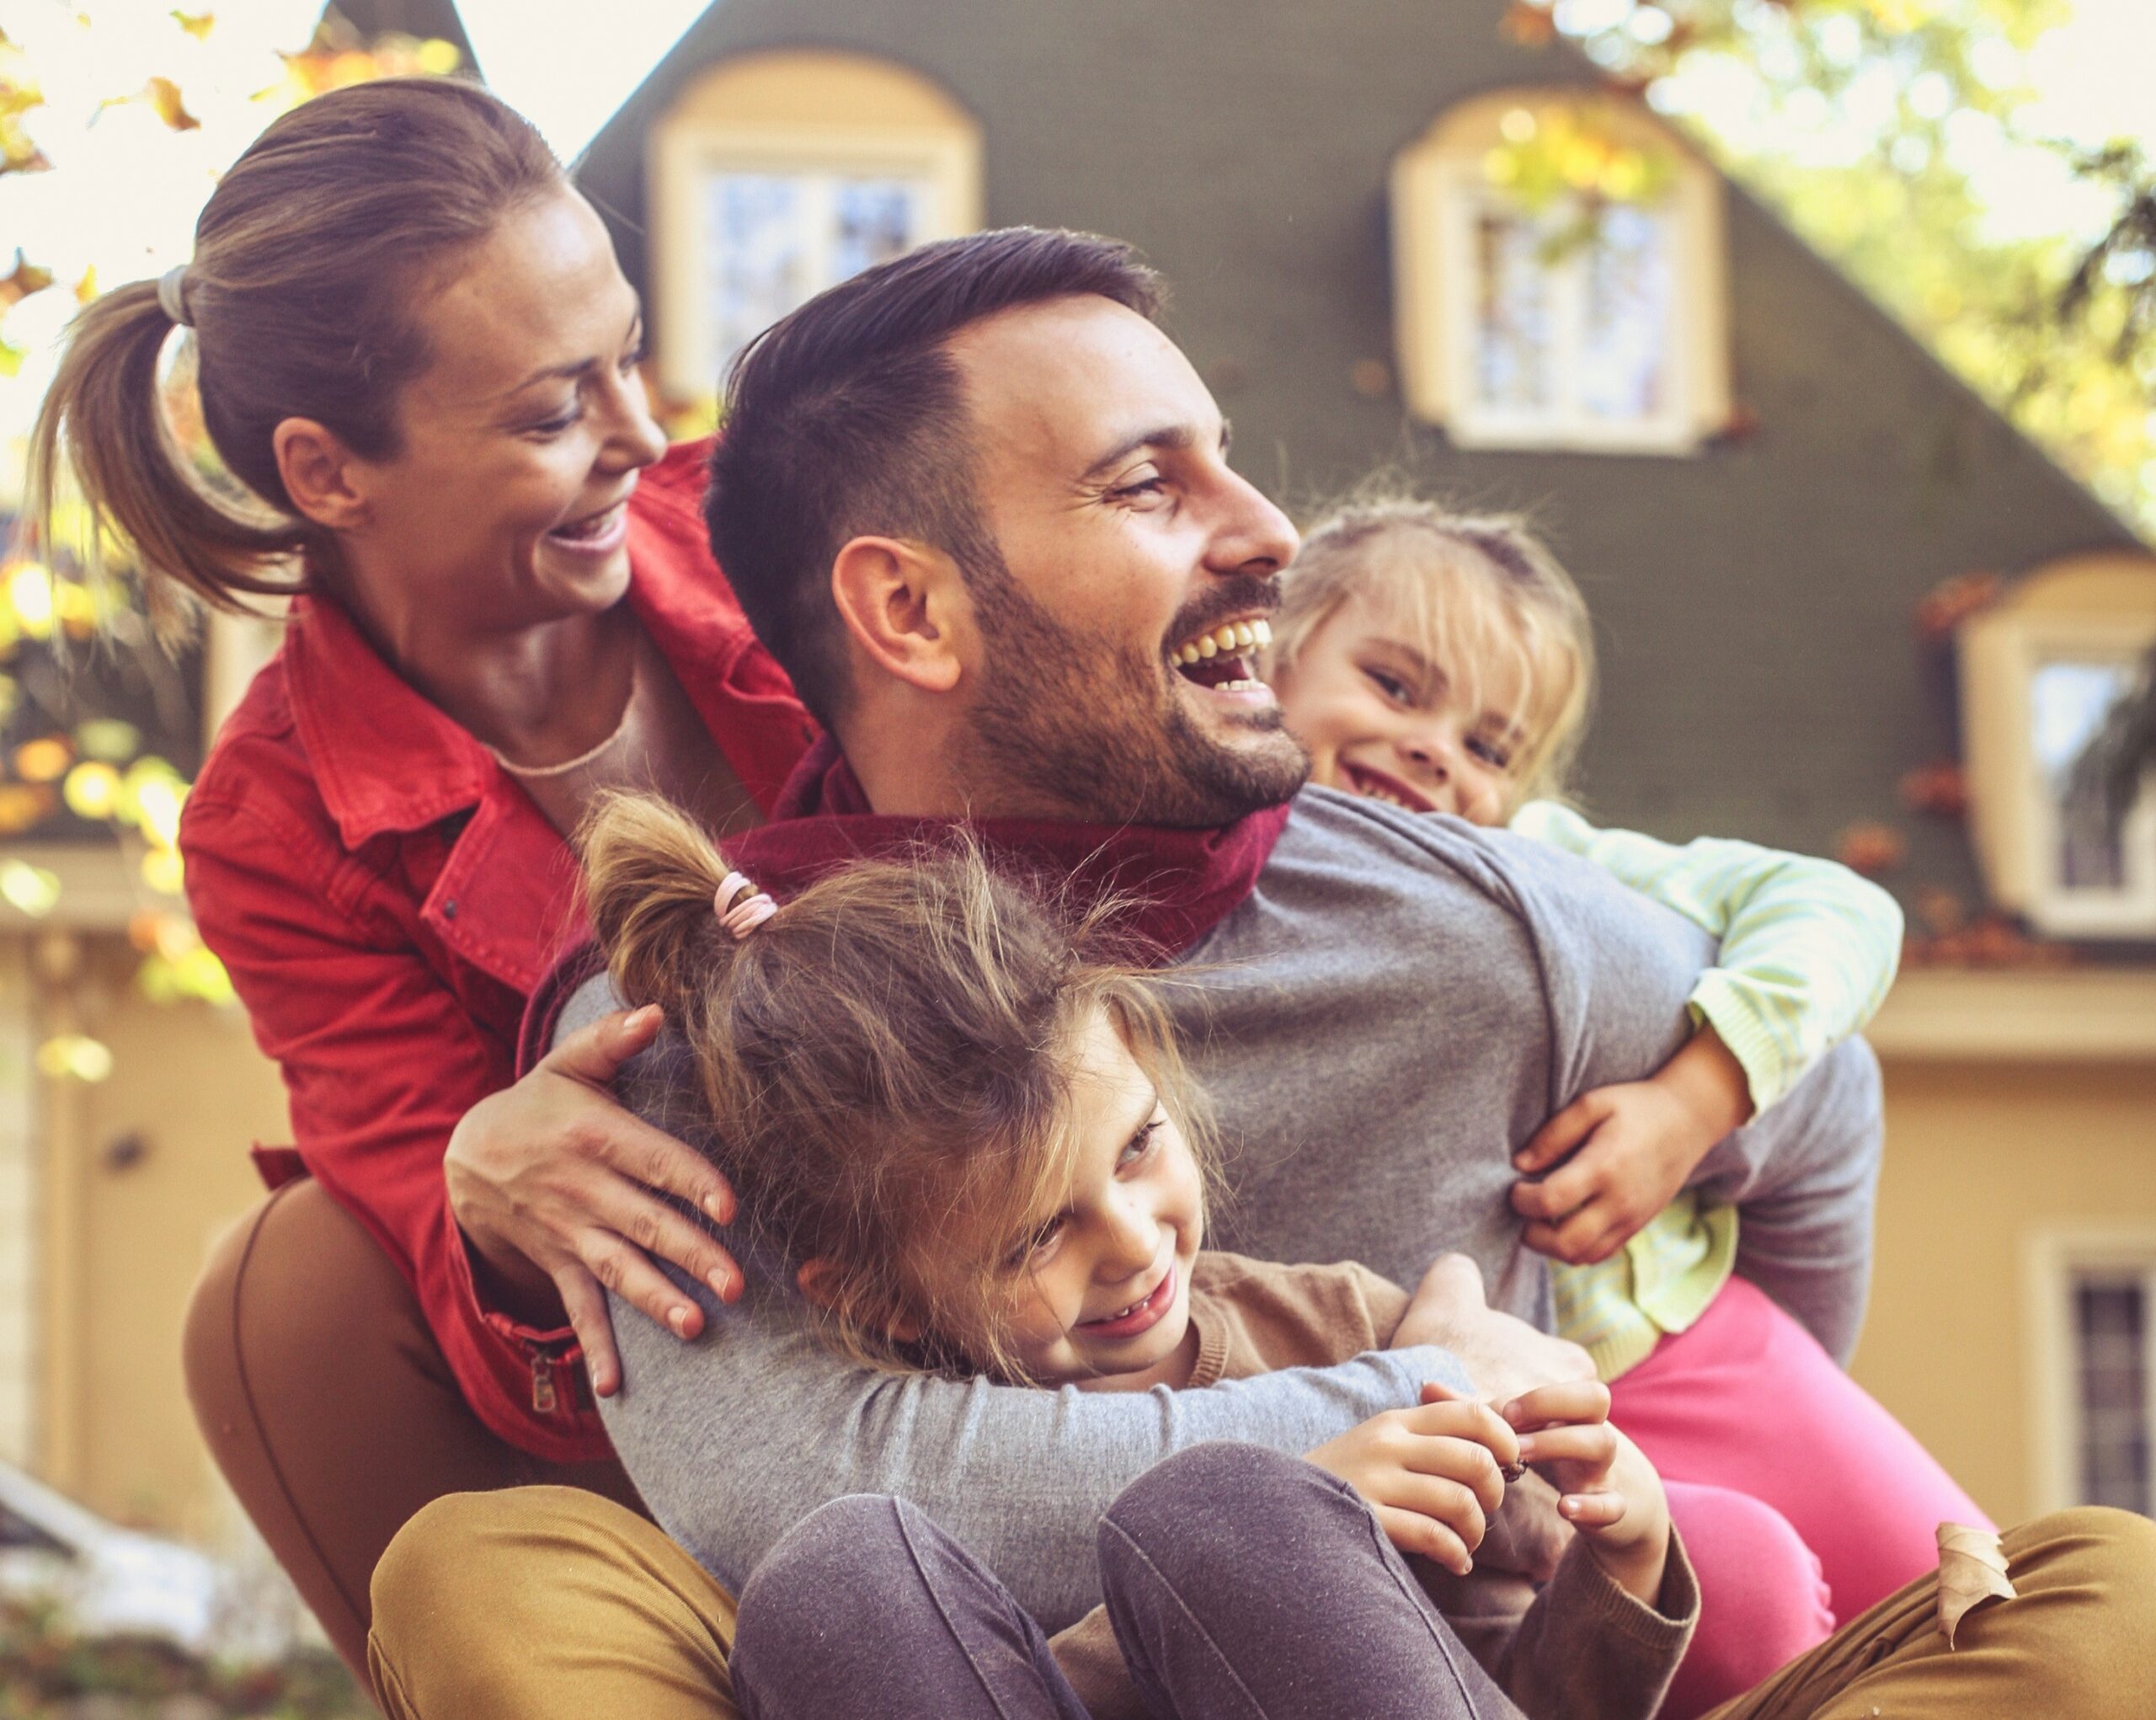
(418, 360)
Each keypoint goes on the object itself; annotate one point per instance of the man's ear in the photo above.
(819, 1280)
(321, 474)
(904, 605)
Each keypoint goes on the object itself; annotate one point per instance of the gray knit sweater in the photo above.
(1400, 1004)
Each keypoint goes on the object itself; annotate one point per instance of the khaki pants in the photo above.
(549, 1601)
(327, 1404)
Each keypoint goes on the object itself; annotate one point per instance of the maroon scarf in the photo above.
(1181, 883)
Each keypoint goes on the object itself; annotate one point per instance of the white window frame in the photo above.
(2092, 609)
(2055, 1261)
(1440, 186)
(940, 147)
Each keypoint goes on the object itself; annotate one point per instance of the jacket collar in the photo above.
(386, 758)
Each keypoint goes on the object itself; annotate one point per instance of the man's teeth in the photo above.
(1229, 637)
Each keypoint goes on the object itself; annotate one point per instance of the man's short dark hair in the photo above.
(848, 418)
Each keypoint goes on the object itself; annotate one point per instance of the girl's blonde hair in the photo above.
(308, 258)
(1471, 593)
(887, 1063)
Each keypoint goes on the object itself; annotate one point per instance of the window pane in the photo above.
(761, 250)
(1513, 325)
(876, 220)
(2111, 1320)
(2068, 703)
(1624, 344)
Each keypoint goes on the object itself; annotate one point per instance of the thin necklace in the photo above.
(563, 769)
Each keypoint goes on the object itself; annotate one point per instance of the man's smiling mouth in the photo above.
(1224, 658)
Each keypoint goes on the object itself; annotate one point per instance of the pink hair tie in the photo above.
(741, 906)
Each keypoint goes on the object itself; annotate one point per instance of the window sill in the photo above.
(2076, 1016)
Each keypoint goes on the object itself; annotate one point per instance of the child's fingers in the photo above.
(1464, 1439)
(1560, 1135)
(1565, 1190)
(1594, 1510)
(1590, 1234)
(1573, 1401)
(1451, 1502)
(1413, 1533)
(1591, 1444)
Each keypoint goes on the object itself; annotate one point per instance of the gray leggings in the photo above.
(1243, 1585)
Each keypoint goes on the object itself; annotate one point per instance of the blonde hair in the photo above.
(1470, 592)
(308, 258)
(886, 1063)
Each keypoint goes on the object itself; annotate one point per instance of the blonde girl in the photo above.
(1445, 662)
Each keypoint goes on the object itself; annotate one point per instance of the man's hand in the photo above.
(1431, 1474)
(1626, 1150)
(1607, 1488)
(553, 1184)
(1502, 1354)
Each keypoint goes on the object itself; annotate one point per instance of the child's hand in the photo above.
(1630, 1147)
(1608, 1489)
(1431, 1474)
(1502, 1354)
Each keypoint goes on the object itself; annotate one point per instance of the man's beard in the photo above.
(1082, 729)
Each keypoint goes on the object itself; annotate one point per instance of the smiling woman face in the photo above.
(504, 506)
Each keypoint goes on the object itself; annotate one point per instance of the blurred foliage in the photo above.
(68, 642)
(1858, 120)
(48, 1672)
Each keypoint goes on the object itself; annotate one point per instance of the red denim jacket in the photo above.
(386, 897)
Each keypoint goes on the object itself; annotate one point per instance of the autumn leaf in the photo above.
(1972, 1570)
(1872, 849)
(27, 279)
(163, 94)
(197, 24)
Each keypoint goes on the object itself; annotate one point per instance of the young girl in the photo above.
(964, 1129)
(961, 1123)
(1444, 663)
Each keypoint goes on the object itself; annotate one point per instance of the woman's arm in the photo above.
(383, 1063)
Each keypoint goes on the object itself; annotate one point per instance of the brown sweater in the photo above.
(1563, 1640)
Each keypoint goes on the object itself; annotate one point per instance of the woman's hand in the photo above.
(1607, 1488)
(1431, 1474)
(1502, 1354)
(1625, 1151)
(553, 1184)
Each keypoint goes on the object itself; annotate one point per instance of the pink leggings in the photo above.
(1800, 1500)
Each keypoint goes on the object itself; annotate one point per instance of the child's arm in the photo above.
(1605, 1635)
(1808, 951)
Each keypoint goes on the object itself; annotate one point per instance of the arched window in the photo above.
(1559, 278)
(2061, 787)
(775, 175)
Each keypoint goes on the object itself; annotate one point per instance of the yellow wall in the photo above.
(189, 1087)
(1980, 1156)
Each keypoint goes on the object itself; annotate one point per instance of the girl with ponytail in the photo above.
(418, 362)
(959, 1121)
